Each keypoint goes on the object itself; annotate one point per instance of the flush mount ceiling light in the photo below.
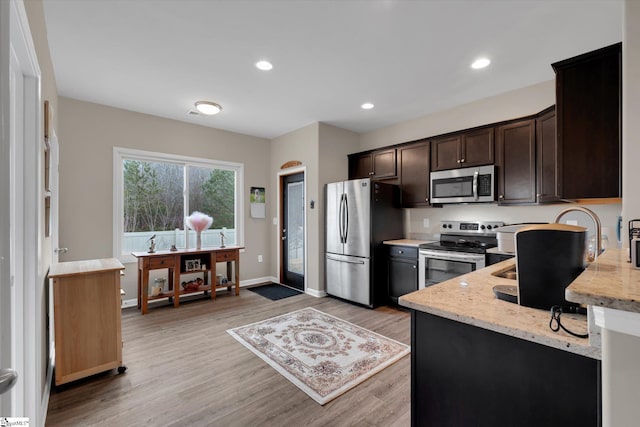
(367, 106)
(480, 63)
(264, 65)
(208, 108)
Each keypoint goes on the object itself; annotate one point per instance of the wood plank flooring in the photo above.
(184, 369)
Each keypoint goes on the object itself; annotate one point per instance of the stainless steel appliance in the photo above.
(360, 215)
(465, 185)
(462, 249)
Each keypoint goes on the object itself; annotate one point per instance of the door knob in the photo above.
(8, 378)
(61, 250)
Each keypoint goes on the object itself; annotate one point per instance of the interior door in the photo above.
(293, 231)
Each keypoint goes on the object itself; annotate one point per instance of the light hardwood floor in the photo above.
(184, 369)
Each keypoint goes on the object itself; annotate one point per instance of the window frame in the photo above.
(120, 154)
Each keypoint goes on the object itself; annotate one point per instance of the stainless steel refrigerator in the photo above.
(360, 215)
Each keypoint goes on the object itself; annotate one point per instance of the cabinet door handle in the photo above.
(401, 252)
(462, 161)
(371, 173)
(501, 197)
(414, 266)
(458, 161)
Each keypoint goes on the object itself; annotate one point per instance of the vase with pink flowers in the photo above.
(199, 222)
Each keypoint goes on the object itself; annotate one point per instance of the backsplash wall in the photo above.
(415, 229)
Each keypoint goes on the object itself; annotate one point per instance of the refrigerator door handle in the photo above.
(344, 260)
(346, 216)
(340, 218)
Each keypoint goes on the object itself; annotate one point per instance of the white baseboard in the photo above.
(134, 302)
(315, 293)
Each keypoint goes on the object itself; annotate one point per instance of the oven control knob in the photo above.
(444, 225)
(488, 227)
(450, 226)
(483, 227)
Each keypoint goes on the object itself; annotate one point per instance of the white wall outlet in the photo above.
(425, 223)
(572, 222)
(259, 258)
(275, 221)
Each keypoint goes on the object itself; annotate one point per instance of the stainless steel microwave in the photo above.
(466, 185)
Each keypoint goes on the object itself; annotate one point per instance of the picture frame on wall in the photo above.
(257, 200)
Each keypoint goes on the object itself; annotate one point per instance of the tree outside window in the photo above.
(154, 201)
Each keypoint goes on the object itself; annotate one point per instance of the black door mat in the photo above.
(274, 291)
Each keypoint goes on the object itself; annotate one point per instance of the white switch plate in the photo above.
(275, 221)
(425, 222)
(572, 222)
(259, 258)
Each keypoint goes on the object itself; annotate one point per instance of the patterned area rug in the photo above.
(323, 355)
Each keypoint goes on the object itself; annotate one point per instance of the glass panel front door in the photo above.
(293, 231)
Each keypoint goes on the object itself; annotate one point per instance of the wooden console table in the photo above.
(176, 263)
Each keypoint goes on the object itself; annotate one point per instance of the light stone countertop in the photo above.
(609, 282)
(406, 242)
(469, 299)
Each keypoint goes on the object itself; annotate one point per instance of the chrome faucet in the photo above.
(593, 217)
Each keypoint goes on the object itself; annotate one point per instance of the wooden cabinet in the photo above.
(181, 262)
(465, 149)
(403, 271)
(87, 318)
(379, 164)
(548, 165)
(413, 169)
(516, 162)
(498, 379)
(588, 99)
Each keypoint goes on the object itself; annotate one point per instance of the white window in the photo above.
(154, 192)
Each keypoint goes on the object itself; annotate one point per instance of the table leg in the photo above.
(175, 271)
(237, 273)
(214, 278)
(145, 289)
(139, 288)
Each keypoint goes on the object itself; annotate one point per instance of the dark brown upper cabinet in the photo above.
(548, 166)
(589, 100)
(516, 162)
(413, 169)
(379, 164)
(461, 150)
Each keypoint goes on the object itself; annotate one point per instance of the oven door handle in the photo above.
(448, 256)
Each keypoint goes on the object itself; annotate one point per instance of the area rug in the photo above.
(323, 355)
(274, 291)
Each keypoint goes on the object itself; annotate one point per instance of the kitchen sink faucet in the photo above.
(595, 219)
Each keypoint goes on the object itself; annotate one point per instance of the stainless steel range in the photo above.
(462, 248)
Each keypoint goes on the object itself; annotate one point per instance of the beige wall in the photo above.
(505, 106)
(88, 133)
(300, 145)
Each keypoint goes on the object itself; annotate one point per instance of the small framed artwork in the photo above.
(192, 265)
(257, 202)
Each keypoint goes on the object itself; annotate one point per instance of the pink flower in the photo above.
(198, 221)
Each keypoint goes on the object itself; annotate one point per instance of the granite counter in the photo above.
(470, 299)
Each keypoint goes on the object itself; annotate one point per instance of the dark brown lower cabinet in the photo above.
(463, 375)
(403, 271)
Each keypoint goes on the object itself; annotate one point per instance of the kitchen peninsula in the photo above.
(478, 360)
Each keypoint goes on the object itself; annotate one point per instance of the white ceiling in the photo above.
(409, 58)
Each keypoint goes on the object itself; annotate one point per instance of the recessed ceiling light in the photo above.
(264, 65)
(367, 106)
(207, 107)
(480, 63)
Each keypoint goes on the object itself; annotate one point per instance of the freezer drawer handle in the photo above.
(344, 260)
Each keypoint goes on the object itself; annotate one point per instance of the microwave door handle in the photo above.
(475, 185)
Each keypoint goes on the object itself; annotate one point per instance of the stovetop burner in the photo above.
(472, 237)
